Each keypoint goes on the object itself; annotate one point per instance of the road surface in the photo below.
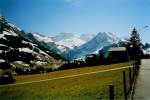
(142, 90)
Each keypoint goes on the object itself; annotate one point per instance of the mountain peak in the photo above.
(69, 40)
(95, 44)
(107, 36)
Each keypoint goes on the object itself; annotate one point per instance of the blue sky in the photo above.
(50, 17)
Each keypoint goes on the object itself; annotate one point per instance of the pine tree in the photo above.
(135, 45)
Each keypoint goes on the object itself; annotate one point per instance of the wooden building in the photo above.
(118, 54)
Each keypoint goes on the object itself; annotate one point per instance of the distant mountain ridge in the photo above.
(60, 43)
(71, 40)
(95, 44)
(68, 45)
(72, 46)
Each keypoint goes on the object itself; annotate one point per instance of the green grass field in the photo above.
(87, 87)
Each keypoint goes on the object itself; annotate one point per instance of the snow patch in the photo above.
(41, 63)
(62, 48)
(42, 52)
(69, 40)
(3, 45)
(25, 42)
(42, 38)
(26, 50)
(1, 51)
(19, 62)
(71, 43)
(14, 26)
(7, 33)
(2, 60)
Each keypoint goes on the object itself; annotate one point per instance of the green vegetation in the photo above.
(87, 87)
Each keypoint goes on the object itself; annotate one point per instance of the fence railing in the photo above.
(128, 91)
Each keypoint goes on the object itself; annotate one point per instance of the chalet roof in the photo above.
(117, 49)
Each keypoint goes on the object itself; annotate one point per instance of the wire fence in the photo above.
(129, 81)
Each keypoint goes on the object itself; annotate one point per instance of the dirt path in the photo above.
(142, 90)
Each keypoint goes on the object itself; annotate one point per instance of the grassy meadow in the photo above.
(86, 87)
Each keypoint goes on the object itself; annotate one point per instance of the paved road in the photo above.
(142, 90)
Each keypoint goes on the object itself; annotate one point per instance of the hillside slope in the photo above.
(17, 50)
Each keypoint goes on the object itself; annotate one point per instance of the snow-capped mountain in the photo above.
(68, 40)
(95, 44)
(67, 45)
(43, 38)
(47, 43)
(14, 47)
(87, 36)
(62, 43)
(73, 46)
(71, 43)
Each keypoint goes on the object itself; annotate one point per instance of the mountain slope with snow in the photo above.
(95, 44)
(71, 43)
(62, 43)
(87, 36)
(68, 40)
(42, 38)
(67, 45)
(47, 43)
(15, 47)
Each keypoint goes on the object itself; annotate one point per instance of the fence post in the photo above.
(130, 78)
(111, 92)
(133, 73)
(124, 85)
(136, 68)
